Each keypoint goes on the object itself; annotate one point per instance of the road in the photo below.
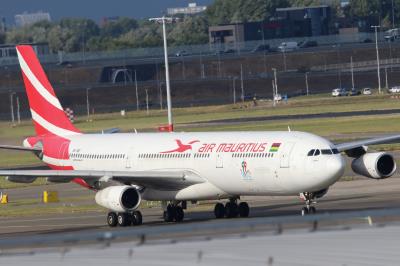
(242, 120)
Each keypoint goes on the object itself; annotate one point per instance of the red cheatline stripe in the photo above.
(57, 167)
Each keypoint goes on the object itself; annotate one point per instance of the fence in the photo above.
(206, 49)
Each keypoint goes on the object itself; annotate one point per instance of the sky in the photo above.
(94, 9)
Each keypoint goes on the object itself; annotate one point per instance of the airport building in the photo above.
(27, 19)
(191, 9)
(286, 23)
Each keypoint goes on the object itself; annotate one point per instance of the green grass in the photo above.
(4, 184)
(184, 117)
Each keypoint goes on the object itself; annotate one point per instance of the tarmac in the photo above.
(357, 195)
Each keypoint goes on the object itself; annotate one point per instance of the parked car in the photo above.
(278, 97)
(288, 46)
(339, 92)
(395, 89)
(261, 48)
(367, 40)
(367, 91)
(227, 51)
(354, 92)
(181, 53)
(307, 44)
(392, 34)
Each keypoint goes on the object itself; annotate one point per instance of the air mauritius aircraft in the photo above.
(175, 168)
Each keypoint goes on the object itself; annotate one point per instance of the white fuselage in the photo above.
(231, 163)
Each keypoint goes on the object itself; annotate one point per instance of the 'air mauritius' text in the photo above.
(233, 147)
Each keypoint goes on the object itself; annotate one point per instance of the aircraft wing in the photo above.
(20, 148)
(165, 180)
(358, 145)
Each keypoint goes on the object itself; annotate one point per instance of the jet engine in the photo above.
(21, 179)
(376, 165)
(119, 198)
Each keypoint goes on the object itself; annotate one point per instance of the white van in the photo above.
(288, 46)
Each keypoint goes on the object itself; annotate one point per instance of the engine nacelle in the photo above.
(119, 198)
(376, 165)
(21, 179)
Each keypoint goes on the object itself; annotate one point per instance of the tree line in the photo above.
(75, 34)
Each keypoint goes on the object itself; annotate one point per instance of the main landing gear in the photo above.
(174, 212)
(309, 198)
(231, 209)
(124, 218)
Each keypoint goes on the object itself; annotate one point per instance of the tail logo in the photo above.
(47, 113)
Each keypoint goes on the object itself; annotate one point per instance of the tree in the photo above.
(237, 11)
(117, 28)
(364, 8)
(192, 30)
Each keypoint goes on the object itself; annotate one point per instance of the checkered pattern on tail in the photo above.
(70, 114)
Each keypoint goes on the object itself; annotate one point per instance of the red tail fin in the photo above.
(47, 113)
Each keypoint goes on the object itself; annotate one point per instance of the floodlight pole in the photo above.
(137, 94)
(307, 83)
(87, 104)
(352, 72)
(377, 57)
(163, 20)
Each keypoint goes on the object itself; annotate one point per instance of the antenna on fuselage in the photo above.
(288, 128)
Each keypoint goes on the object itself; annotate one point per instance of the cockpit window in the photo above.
(317, 152)
(326, 152)
(311, 153)
(335, 151)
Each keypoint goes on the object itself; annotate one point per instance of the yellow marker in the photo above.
(4, 199)
(50, 196)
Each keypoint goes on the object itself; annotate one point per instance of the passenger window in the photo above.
(311, 153)
(335, 151)
(317, 152)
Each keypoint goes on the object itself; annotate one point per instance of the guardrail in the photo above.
(142, 233)
(204, 49)
(362, 64)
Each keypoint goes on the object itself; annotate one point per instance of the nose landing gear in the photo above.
(309, 198)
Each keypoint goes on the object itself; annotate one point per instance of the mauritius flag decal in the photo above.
(275, 147)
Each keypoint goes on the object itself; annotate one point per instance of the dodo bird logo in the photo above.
(182, 147)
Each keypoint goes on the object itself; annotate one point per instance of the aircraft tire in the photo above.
(169, 214)
(137, 218)
(244, 209)
(231, 210)
(123, 219)
(219, 210)
(112, 219)
(179, 214)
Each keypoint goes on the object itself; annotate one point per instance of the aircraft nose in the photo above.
(335, 166)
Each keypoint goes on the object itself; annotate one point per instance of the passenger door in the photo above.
(219, 161)
(130, 158)
(285, 154)
(63, 153)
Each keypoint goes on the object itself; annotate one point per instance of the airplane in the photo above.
(174, 168)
